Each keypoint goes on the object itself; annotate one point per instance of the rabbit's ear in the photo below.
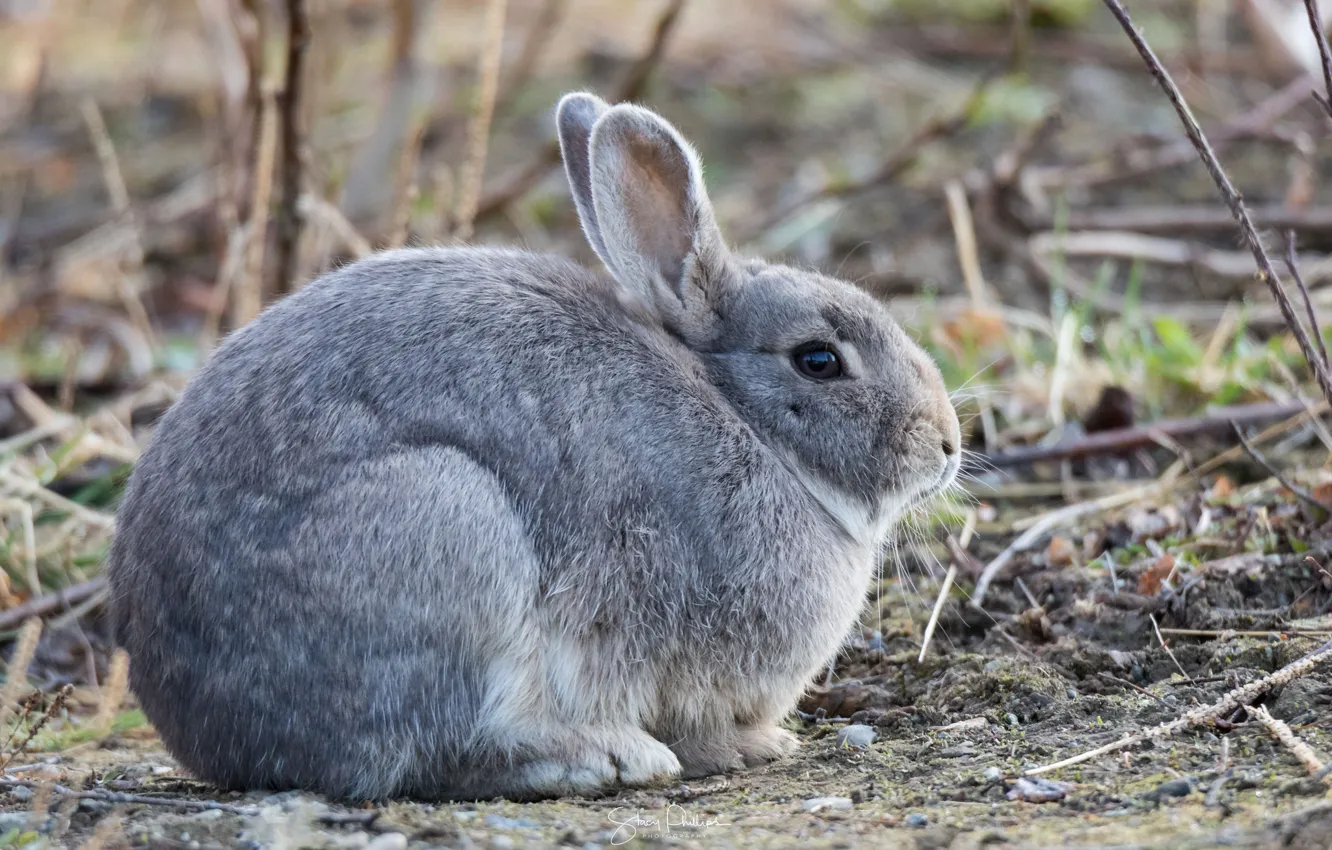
(655, 218)
(574, 118)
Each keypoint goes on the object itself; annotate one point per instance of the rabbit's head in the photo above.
(813, 365)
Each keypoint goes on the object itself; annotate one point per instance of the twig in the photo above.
(1324, 53)
(478, 132)
(1127, 684)
(1232, 197)
(16, 671)
(1293, 266)
(1320, 509)
(113, 694)
(56, 704)
(1126, 439)
(1213, 633)
(538, 39)
(1046, 523)
(290, 218)
(249, 298)
(938, 607)
(1182, 218)
(1288, 739)
(32, 488)
(1228, 703)
(1157, 628)
(629, 89)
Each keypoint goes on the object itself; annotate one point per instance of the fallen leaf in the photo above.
(1149, 583)
(1061, 552)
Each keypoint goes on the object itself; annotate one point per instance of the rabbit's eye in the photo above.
(819, 363)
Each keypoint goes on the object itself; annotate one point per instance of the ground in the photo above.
(1019, 195)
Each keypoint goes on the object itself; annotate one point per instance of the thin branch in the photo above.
(1288, 739)
(50, 603)
(1139, 436)
(290, 217)
(1293, 267)
(1234, 699)
(1266, 272)
(478, 133)
(1324, 52)
(1320, 509)
(631, 87)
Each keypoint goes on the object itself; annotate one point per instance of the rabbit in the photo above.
(460, 523)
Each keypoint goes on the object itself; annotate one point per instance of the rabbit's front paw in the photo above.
(601, 760)
(762, 744)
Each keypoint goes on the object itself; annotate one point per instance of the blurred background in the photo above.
(1004, 173)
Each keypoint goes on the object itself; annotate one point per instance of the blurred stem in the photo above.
(1019, 60)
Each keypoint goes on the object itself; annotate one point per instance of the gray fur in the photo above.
(466, 522)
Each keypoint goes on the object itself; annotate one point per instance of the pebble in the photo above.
(388, 841)
(502, 842)
(918, 821)
(817, 804)
(1173, 788)
(856, 736)
(209, 814)
(22, 793)
(993, 774)
(13, 820)
(501, 822)
(1039, 790)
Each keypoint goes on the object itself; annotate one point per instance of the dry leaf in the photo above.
(1149, 583)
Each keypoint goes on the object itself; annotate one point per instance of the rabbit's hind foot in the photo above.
(594, 761)
(762, 744)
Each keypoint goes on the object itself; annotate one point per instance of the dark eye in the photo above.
(819, 363)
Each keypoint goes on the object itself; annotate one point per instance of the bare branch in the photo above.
(1316, 24)
(1266, 272)
(290, 217)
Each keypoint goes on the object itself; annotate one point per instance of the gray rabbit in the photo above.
(459, 523)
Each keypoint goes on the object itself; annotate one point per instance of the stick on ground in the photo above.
(1234, 699)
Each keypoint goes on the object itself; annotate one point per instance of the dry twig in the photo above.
(629, 89)
(1232, 700)
(1284, 734)
(1266, 272)
(1324, 53)
(478, 132)
(290, 218)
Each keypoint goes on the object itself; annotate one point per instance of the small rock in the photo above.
(501, 842)
(465, 817)
(1039, 790)
(917, 821)
(1173, 788)
(1011, 718)
(876, 643)
(93, 806)
(22, 793)
(388, 841)
(993, 774)
(501, 822)
(817, 804)
(13, 820)
(856, 736)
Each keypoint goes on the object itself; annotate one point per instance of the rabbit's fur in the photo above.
(467, 522)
